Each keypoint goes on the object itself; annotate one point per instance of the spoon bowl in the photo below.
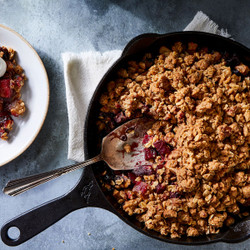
(123, 147)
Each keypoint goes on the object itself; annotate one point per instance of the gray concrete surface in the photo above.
(53, 27)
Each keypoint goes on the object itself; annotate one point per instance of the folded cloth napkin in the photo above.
(82, 73)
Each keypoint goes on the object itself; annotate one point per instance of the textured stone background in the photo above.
(53, 27)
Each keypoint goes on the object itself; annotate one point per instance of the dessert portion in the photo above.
(197, 179)
(11, 82)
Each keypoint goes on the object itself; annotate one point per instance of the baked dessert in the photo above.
(197, 177)
(11, 84)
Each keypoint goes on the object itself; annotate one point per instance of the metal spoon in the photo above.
(121, 149)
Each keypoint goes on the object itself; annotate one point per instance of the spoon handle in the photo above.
(18, 186)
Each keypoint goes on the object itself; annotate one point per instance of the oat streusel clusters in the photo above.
(11, 83)
(197, 178)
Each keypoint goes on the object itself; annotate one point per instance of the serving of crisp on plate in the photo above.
(34, 95)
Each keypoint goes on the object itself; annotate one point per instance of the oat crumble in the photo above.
(197, 179)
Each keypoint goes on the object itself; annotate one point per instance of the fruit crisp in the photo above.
(197, 177)
(11, 83)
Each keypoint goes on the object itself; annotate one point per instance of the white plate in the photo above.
(35, 95)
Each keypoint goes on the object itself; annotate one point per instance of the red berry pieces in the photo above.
(146, 138)
(132, 177)
(140, 187)
(120, 118)
(143, 170)
(162, 148)
(160, 189)
(160, 166)
(4, 116)
(5, 90)
(149, 153)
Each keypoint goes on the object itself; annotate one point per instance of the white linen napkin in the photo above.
(82, 73)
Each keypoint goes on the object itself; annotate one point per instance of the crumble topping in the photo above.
(197, 178)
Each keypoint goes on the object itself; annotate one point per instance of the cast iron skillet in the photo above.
(87, 193)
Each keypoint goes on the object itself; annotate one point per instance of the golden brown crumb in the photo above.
(127, 148)
(197, 179)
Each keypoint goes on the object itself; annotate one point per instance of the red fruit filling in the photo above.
(10, 86)
(160, 189)
(140, 187)
(159, 166)
(120, 117)
(162, 148)
(5, 90)
(143, 170)
(149, 153)
(146, 139)
(132, 177)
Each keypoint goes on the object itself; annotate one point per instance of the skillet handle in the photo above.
(38, 219)
(239, 232)
(139, 43)
(86, 194)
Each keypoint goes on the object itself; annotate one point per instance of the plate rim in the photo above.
(48, 97)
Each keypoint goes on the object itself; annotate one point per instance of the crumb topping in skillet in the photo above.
(197, 178)
(11, 84)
